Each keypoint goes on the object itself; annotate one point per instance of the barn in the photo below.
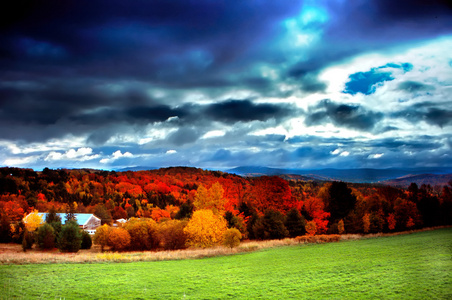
(88, 222)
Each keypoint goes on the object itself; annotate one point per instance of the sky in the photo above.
(223, 83)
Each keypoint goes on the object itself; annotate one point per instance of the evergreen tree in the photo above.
(87, 242)
(295, 223)
(70, 213)
(70, 238)
(52, 216)
(45, 236)
(270, 226)
(341, 201)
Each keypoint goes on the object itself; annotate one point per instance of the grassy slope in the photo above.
(416, 266)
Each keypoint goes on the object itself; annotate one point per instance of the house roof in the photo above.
(81, 219)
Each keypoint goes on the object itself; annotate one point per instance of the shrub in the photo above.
(143, 234)
(231, 238)
(101, 236)
(172, 234)
(70, 239)
(205, 229)
(318, 239)
(87, 242)
(45, 236)
(118, 239)
(28, 240)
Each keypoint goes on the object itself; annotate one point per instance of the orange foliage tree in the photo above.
(118, 239)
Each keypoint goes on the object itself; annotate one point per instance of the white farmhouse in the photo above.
(87, 222)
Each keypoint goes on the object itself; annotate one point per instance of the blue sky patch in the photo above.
(366, 82)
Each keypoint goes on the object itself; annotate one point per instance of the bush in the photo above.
(87, 242)
(172, 234)
(70, 239)
(28, 240)
(318, 239)
(101, 236)
(232, 237)
(118, 239)
(45, 236)
(143, 234)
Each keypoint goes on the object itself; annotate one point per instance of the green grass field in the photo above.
(414, 266)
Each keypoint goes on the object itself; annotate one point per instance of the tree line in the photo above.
(180, 200)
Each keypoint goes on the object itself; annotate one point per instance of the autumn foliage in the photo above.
(205, 229)
(164, 205)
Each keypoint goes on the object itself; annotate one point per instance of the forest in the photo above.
(266, 207)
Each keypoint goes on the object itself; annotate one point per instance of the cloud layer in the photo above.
(214, 84)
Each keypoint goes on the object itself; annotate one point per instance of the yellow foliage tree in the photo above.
(210, 199)
(231, 238)
(101, 236)
(205, 229)
(33, 221)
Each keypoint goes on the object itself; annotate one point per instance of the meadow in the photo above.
(411, 266)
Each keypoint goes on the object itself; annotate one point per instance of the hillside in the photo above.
(348, 175)
(427, 179)
(177, 192)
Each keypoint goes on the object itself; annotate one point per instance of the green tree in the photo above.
(270, 226)
(87, 242)
(45, 236)
(28, 240)
(70, 213)
(70, 238)
(185, 211)
(52, 216)
(295, 223)
(340, 202)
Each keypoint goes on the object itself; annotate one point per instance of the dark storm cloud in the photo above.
(429, 112)
(159, 34)
(384, 22)
(343, 115)
(233, 111)
(421, 143)
(409, 9)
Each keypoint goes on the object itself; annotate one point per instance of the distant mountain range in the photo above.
(395, 177)
(384, 176)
